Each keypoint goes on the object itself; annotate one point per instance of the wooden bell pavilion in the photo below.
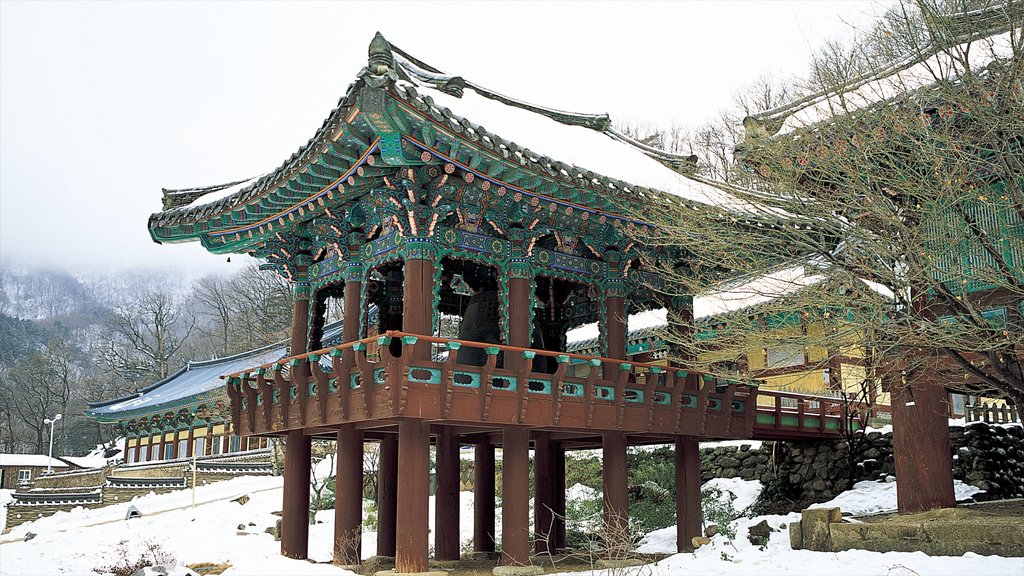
(435, 220)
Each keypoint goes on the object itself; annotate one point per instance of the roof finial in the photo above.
(380, 60)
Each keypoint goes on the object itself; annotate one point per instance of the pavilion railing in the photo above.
(513, 376)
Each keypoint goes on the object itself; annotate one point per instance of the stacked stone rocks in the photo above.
(990, 457)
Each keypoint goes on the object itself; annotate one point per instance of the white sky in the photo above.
(102, 104)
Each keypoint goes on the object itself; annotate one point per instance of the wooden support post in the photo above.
(688, 517)
(348, 497)
(483, 496)
(615, 333)
(616, 492)
(446, 496)
(191, 441)
(518, 318)
(515, 494)
(558, 456)
(387, 496)
(350, 332)
(295, 508)
(411, 553)
(544, 493)
(921, 447)
(418, 304)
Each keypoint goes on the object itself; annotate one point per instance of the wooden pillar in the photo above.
(519, 329)
(483, 496)
(295, 509)
(615, 327)
(138, 448)
(544, 493)
(387, 496)
(418, 303)
(559, 494)
(616, 490)
(348, 497)
(413, 496)
(189, 448)
(687, 468)
(350, 327)
(446, 496)
(515, 494)
(921, 447)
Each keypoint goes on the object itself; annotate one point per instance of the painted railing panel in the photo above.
(343, 384)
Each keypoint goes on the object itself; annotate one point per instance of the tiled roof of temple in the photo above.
(195, 382)
(580, 157)
(976, 39)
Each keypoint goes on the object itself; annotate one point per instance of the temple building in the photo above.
(481, 241)
(931, 135)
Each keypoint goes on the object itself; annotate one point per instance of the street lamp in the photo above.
(49, 461)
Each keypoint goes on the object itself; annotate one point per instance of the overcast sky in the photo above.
(102, 104)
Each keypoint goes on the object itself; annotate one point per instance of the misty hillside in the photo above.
(67, 339)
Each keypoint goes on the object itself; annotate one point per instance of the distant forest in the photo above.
(67, 339)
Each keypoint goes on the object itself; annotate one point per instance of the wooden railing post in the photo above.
(321, 386)
(447, 375)
(524, 367)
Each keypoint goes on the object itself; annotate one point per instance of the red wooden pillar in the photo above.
(191, 440)
(615, 327)
(350, 327)
(687, 468)
(295, 509)
(515, 494)
(446, 496)
(543, 493)
(418, 303)
(616, 490)
(348, 497)
(483, 496)
(518, 316)
(138, 448)
(387, 496)
(921, 448)
(413, 496)
(559, 495)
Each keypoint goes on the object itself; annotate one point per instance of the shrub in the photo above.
(127, 562)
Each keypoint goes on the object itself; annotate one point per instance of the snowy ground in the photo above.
(79, 541)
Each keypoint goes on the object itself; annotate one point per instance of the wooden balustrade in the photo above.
(583, 392)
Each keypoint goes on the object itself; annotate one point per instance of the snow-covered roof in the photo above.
(588, 149)
(585, 141)
(738, 296)
(31, 460)
(989, 38)
(85, 461)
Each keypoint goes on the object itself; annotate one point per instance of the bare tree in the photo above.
(149, 335)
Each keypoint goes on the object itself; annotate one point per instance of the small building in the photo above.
(21, 469)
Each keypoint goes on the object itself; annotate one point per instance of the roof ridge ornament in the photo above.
(380, 66)
(380, 61)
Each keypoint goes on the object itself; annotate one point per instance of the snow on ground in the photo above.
(78, 541)
(870, 497)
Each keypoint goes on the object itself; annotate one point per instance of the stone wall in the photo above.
(88, 477)
(990, 457)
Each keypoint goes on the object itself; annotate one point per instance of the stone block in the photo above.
(515, 571)
(814, 524)
(796, 536)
